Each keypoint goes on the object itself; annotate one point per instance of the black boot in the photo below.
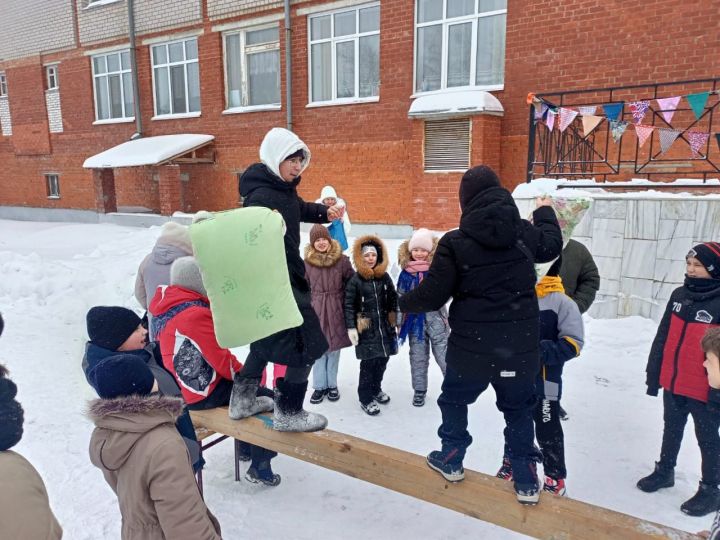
(704, 502)
(289, 413)
(661, 477)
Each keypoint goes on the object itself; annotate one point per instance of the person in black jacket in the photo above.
(273, 184)
(487, 268)
(371, 305)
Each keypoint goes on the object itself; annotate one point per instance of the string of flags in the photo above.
(561, 117)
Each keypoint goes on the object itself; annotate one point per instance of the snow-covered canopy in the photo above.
(147, 151)
(455, 103)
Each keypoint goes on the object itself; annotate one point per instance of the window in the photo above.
(53, 186)
(3, 85)
(52, 77)
(345, 54)
(252, 68)
(459, 43)
(113, 86)
(176, 77)
(447, 145)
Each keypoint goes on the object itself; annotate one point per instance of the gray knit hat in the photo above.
(185, 273)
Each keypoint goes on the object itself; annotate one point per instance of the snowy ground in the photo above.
(51, 274)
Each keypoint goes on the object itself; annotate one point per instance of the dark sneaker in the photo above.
(554, 486)
(658, 479)
(505, 471)
(527, 493)
(419, 399)
(447, 464)
(704, 502)
(371, 408)
(333, 394)
(317, 396)
(262, 476)
(382, 398)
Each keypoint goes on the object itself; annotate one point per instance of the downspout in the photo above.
(288, 67)
(133, 65)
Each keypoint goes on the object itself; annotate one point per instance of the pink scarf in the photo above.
(413, 267)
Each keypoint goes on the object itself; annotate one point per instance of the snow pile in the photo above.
(146, 151)
(562, 187)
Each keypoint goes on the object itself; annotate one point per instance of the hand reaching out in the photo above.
(335, 212)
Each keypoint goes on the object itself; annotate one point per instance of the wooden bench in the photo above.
(479, 495)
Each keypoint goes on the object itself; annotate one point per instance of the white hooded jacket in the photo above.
(278, 144)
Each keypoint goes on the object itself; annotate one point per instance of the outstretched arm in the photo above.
(437, 287)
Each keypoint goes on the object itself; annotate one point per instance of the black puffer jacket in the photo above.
(371, 303)
(486, 267)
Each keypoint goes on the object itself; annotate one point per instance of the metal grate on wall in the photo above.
(447, 144)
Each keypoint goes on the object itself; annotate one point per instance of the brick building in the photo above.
(394, 97)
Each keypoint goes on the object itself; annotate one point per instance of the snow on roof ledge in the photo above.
(462, 103)
(147, 151)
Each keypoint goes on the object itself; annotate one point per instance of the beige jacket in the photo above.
(24, 508)
(137, 447)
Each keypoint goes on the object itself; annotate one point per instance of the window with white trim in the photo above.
(345, 54)
(52, 182)
(112, 79)
(176, 77)
(3, 85)
(252, 67)
(447, 144)
(51, 73)
(459, 43)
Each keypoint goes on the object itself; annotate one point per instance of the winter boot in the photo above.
(289, 413)
(419, 398)
(447, 462)
(382, 398)
(262, 473)
(505, 471)
(528, 493)
(317, 396)
(244, 400)
(371, 408)
(554, 486)
(705, 501)
(333, 394)
(660, 478)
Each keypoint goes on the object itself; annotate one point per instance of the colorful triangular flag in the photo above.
(613, 110)
(643, 132)
(566, 118)
(697, 102)
(638, 110)
(667, 138)
(540, 112)
(587, 110)
(617, 128)
(697, 140)
(590, 122)
(550, 118)
(668, 107)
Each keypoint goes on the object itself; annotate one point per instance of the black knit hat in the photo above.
(708, 254)
(121, 375)
(11, 415)
(476, 180)
(110, 326)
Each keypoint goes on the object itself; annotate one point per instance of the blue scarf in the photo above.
(159, 322)
(413, 323)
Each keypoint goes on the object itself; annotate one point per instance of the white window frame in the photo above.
(168, 64)
(51, 77)
(245, 50)
(128, 116)
(334, 100)
(53, 188)
(3, 85)
(446, 23)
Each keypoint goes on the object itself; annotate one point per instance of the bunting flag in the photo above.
(668, 107)
(587, 110)
(697, 140)
(697, 102)
(550, 119)
(667, 138)
(638, 110)
(566, 118)
(590, 122)
(643, 132)
(613, 110)
(617, 128)
(540, 112)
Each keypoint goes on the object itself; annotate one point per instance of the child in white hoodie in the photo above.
(340, 228)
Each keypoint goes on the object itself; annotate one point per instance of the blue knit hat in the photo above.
(121, 375)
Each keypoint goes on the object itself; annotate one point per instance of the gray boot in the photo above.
(244, 400)
(289, 413)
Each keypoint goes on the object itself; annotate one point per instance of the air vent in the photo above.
(447, 145)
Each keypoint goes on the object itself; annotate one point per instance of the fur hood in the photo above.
(100, 411)
(382, 261)
(323, 260)
(404, 255)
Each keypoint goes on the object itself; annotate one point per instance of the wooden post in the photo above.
(481, 496)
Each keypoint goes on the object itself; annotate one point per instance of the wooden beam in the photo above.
(481, 496)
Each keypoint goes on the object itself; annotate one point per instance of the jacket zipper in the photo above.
(377, 308)
(677, 357)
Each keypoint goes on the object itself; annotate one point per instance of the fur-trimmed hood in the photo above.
(323, 260)
(404, 255)
(382, 261)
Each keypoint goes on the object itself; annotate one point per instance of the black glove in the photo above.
(653, 384)
(652, 390)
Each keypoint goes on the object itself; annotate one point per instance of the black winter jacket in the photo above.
(486, 266)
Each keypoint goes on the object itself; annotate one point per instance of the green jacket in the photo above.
(579, 274)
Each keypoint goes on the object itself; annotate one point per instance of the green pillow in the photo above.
(241, 254)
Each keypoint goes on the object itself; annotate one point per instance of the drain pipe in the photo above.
(133, 65)
(288, 67)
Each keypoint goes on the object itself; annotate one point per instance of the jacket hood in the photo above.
(122, 421)
(327, 192)
(323, 260)
(278, 144)
(492, 219)
(169, 296)
(167, 253)
(404, 255)
(382, 260)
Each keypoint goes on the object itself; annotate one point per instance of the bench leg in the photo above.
(237, 460)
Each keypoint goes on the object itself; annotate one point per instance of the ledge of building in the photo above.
(455, 103)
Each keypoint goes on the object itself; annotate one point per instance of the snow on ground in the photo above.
(52, 273)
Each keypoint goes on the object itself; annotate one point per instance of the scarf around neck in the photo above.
(549, 284)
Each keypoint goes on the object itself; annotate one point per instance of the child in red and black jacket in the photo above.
(676, 363)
